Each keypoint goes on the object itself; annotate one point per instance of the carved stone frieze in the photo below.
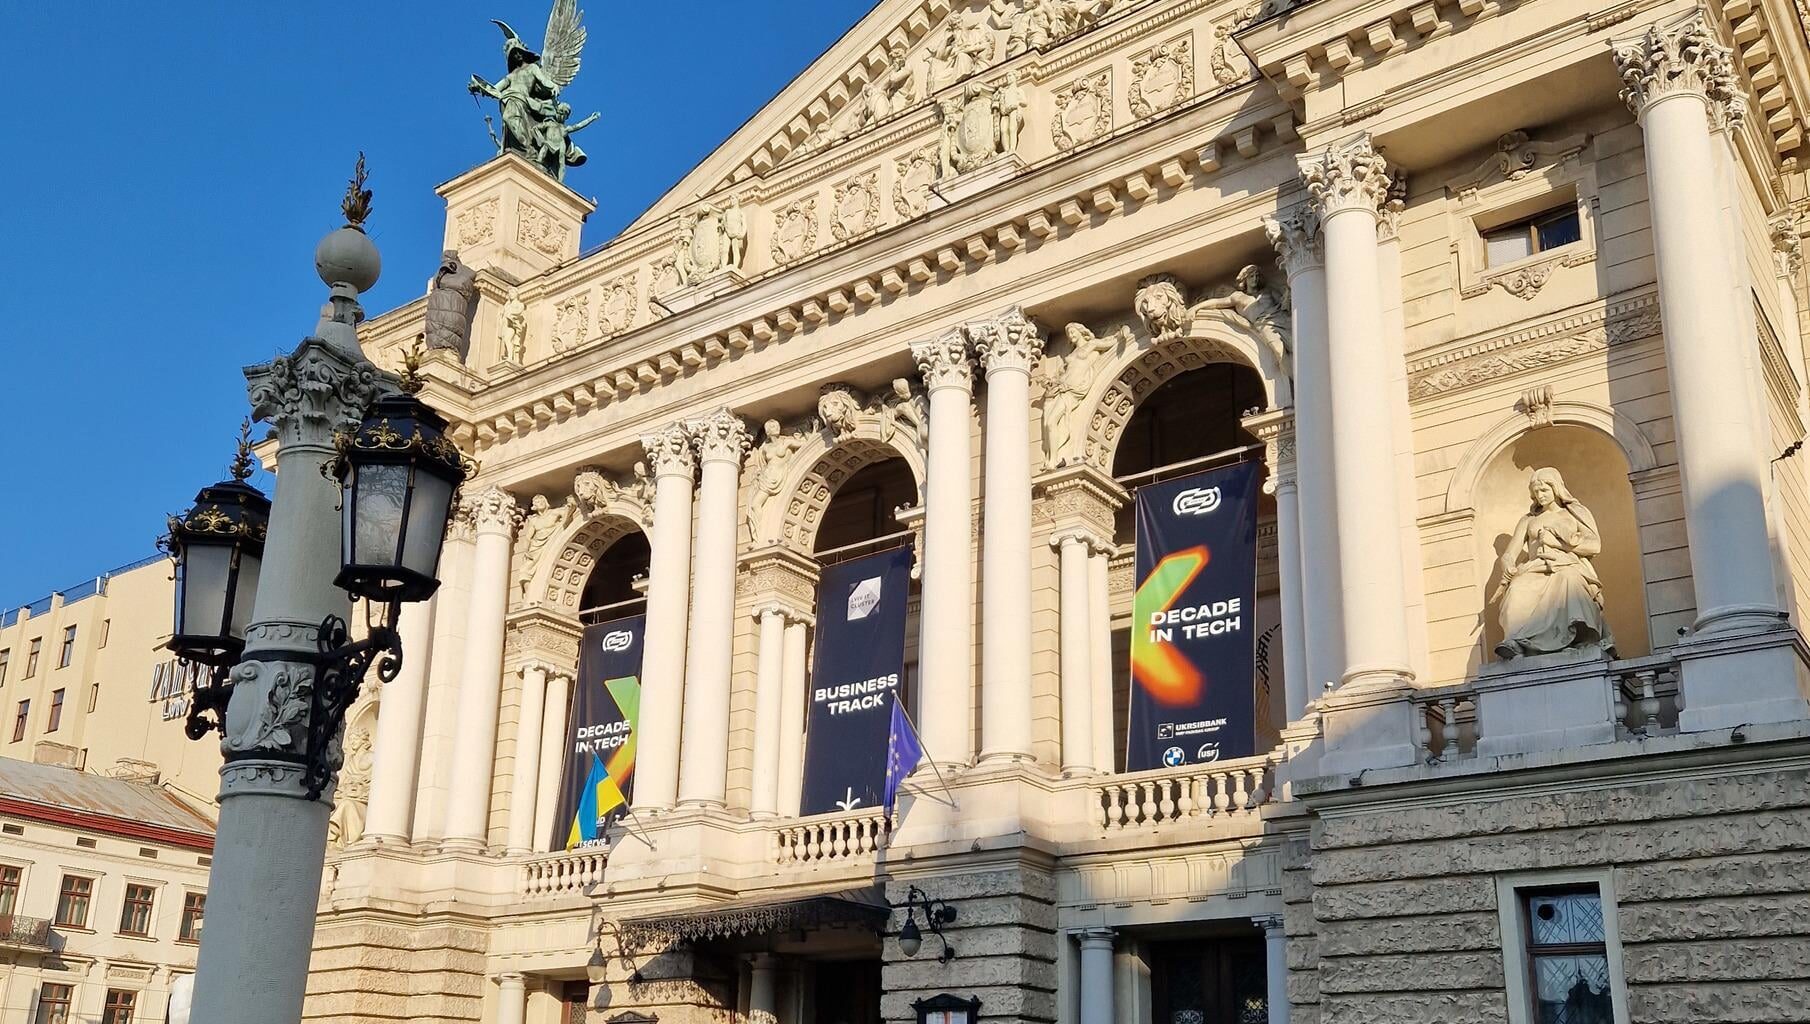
(1009, 341)
(719, 436)
(571, 321)
(1684, 55)
(1560, 341)
(669, 451)
(1161, 77)
(1083, 110)
(780, 575)
(1081, 498)
(794, 230)
(477, 223)
(1526, 280)
(616, 305)
(541, 638)
(1517, 155)
(1346, 175)
(538, 229)
(945, 360)
(912, 176)
(314, 388)
(1227, 61)
(855, 206)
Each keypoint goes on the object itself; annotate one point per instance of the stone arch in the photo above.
(820, 466)
(1215, 336)
(1461, 490)
(558, 582)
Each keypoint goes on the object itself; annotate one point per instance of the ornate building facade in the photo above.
(1504, 295)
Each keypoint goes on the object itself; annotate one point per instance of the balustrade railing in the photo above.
(827, 838)
(1646, 696)
(1447, 721)
(20, 932)
(1168, 795)
(563, 873)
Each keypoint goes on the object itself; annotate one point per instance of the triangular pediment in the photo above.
(885, 67)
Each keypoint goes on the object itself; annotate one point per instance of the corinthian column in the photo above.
(721, 440)
(1676, 77)
(769, 706)
(1008, 345)
(1277, 433)
(480, 688)
(1072, 549)
(670, 459)
(1300, 251)
(525, 779)
(554, 732)
(399, 721)
(946, 624)
(1348, 184)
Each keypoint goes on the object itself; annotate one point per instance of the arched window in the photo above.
(1179, 429)
(610, 591)
(859, 521)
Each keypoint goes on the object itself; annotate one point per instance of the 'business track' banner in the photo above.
(860, 660)
(1191, 630)
(600, 732)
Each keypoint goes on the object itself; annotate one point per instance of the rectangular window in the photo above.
(53, 1003)
(72, 902)
(31, 656)
(106, 628)
(68, 654)
(120, 1004)
(6, 655)
(9, 889)
(194, 904)
(20, 720)
(94, 697)
(1561, 948)
(135, 917)
(56, 711)
(1539, 233)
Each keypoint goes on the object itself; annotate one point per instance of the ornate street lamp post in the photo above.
(365, 482)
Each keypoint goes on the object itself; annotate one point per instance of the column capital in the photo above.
(313, 392)
(720, 436)
(1684, 56)
(1081, 497)
(1096, 938)
(1349, 175)
(1271, 924)
(1295, 234)
(1276, 429)
(1087, 538)
(492, 510)
(945, 360)
(1787, 243)
(512, 979)
(779, 578)
(1009, 341)
(669, 451)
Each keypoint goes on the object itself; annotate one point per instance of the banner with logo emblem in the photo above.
(1192, 653)
(858, 664)
(599, 770)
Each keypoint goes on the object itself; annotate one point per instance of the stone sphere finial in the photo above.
(347, 256)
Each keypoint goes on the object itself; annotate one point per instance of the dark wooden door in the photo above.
(1208, 981)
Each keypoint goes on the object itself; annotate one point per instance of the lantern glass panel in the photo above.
(426, 523)
(378, 497)
(204, 572)
(245, 589)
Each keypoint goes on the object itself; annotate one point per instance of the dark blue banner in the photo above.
(599, 770)
(1192, 626)
(859, 662)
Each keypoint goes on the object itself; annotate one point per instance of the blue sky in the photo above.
(174, 165)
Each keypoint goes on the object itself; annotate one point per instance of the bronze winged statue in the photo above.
(535, 123)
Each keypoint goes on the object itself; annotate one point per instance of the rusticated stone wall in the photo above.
(1004, 933)
(1711, 870)
(363, 972)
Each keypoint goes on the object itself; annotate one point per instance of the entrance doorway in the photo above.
(844, 992)
(1207, 980)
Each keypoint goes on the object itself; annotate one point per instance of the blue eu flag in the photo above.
(903, 752)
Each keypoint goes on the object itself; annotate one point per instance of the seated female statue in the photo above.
(1551, 598)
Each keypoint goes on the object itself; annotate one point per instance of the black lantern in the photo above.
(947, 1009)
(399, 474)
(218, 546)
(937, 913)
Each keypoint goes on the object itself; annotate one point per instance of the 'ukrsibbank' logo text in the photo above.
(617, 640)
(1196, 501)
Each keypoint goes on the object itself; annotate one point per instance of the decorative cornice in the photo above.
(1300, 246)
(1348, 175)
(1683, 56)
(945, 360)
(669, 451)
(1009, 341)
(720, 436)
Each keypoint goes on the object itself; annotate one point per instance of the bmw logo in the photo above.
(1174, 757)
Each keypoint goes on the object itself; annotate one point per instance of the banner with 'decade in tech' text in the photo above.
(859, 663)
(599, 769)
(1192, 654)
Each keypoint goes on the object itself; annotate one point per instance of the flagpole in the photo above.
(913, 726)
(640, 832)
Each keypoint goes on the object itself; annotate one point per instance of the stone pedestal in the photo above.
(996, 171)
(1544, 702)
(1731, 681)
(699, 292)
(508, 216)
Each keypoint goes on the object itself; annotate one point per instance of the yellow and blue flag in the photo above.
(599, 796)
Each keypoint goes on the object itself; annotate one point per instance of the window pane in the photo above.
(1573, 990)
(1560, 230)
(1565, 918)
(1508, 245)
